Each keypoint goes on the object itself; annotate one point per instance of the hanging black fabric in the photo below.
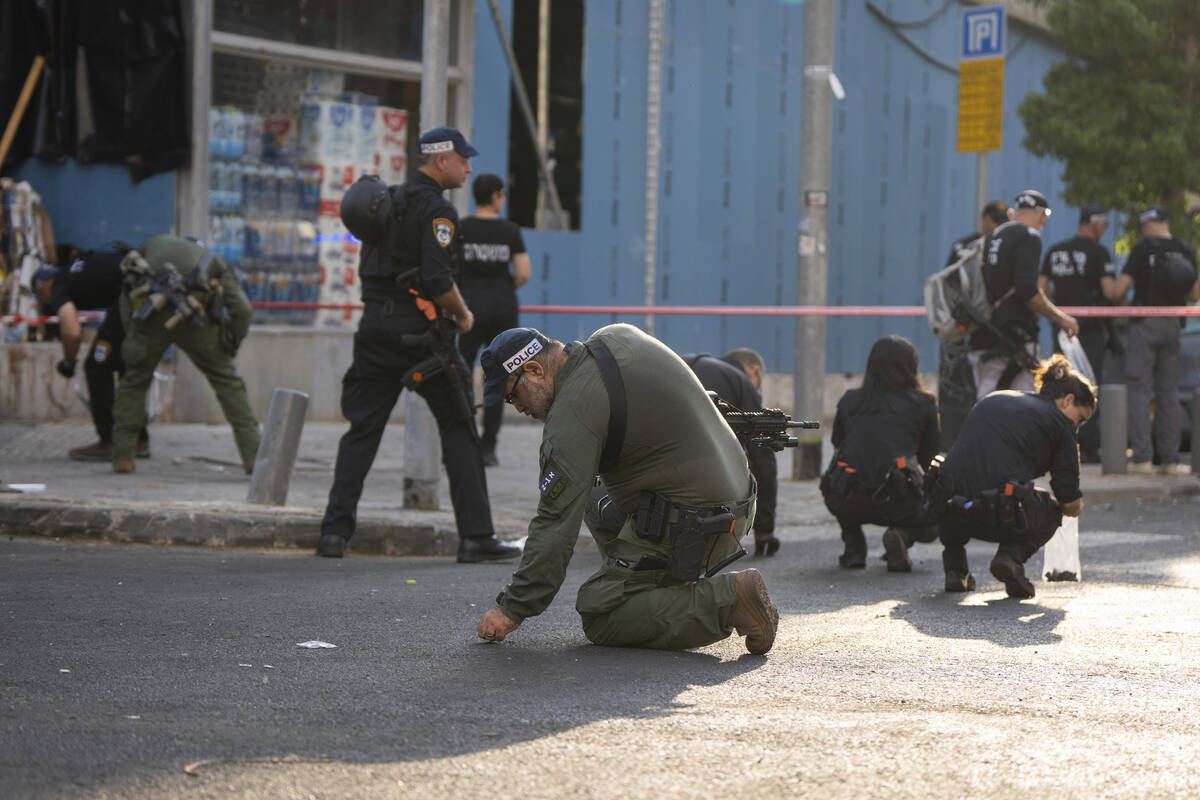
(24, 35)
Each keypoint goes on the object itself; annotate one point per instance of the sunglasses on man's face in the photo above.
(512, 393)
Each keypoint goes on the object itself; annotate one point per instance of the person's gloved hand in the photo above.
(65, 368)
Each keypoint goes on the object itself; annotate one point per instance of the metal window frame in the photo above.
(191, 187)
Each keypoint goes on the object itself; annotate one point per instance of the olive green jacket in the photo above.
(676, 444)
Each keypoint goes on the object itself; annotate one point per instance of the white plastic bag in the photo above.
(1060, 557)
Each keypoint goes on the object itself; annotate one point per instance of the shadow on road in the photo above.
(1003, 621)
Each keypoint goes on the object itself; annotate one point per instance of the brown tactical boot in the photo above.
(97, 451)
(124, 466)
(248, 466)
(754, 616)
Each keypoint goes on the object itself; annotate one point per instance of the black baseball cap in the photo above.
(1154, 214)
(443, 140)
(1032, 198)
(504, 356)
(1091, 213)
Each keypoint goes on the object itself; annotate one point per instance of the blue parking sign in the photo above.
(983, 32)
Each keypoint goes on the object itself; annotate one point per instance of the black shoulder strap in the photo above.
(613, 383)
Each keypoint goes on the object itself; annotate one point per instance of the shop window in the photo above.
(390, 29)
(565, 128)
(285, 141)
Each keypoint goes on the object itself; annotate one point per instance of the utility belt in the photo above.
(902, 483)
(1015, 505)
(689, 529)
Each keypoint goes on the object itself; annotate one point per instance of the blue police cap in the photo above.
(504, 356)
(443, 140)
(43, 274)
(1154, 214)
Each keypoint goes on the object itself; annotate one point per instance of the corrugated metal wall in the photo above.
(729, 174)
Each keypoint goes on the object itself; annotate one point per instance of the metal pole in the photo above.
(543, 97)
(653, 147)
(1196, 432)
(1113, 433)
(422, 447)
(809, 373)
(527, 112)
(191, 191)
(981, 184)
(277, 449)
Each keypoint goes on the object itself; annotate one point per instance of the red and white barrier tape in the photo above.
(713, 311)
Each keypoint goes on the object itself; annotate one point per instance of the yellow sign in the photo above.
(980, 104)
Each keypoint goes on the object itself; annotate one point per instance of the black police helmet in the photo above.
(365, 208)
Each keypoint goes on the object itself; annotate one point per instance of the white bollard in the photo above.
(422, 454)
(277, 448)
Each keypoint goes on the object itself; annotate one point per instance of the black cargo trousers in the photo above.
(1043, 515)
(370, 390)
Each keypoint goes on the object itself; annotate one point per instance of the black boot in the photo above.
(855, 555)
(485, 548)
(895, 550)
(1011, 572)
(765, 545)
(331, 545)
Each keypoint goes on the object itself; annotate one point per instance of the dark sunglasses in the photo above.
(512, 393)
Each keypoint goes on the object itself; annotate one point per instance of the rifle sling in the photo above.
(617, 410)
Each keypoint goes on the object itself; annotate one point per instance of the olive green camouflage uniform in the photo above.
(146, 341)
(676, 444)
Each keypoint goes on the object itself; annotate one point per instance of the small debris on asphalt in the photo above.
(314, 644)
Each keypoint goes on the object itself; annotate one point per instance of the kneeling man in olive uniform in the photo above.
(673, 495)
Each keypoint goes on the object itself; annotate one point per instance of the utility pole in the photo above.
(808, 387)
(422, 446)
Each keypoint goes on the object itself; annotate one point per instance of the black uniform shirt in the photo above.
(871, 439)
(1014, 436)
(727, 379)
(92, 282)
(1010, 261)
(961, 246)
(1075, 267)
(488, 246)
(1141, 262)
(430, 225)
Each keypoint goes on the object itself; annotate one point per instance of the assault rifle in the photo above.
(439, 339)
(768, 427)
(166, 286)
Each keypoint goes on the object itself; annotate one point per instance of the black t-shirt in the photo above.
(961, 246)
(870, 439)
(1010, 261)
(727, 379)
(1014, 436)
(1140, 265)
(92, 282)
(488, 246)
(1075, 267)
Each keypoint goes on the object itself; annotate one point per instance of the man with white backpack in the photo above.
(1005, 351)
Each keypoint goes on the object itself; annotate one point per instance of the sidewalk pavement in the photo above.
(192, 491)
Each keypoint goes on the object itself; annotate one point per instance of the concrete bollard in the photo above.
(1114, 436)
(1196, 432)
(277, 448)
(422, 454)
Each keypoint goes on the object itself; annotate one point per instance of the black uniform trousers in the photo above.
(370, 390)
(494, 304)
(766, 473)
(859, 508)
(1044, 516)
(103, 362)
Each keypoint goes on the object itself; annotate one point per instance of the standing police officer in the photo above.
(1162, 270)
(92, 282)
(409, 244)
(737, 379)
(490, 242)
(674, 498)
(1080, 272)
(1002, 355)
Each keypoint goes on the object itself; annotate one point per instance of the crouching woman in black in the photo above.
(985, 489)
(884, 435)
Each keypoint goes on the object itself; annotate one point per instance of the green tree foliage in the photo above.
(1121, 112)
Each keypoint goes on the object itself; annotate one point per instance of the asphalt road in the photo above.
(145, 672)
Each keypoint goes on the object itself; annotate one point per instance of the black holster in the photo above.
(689, 532)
